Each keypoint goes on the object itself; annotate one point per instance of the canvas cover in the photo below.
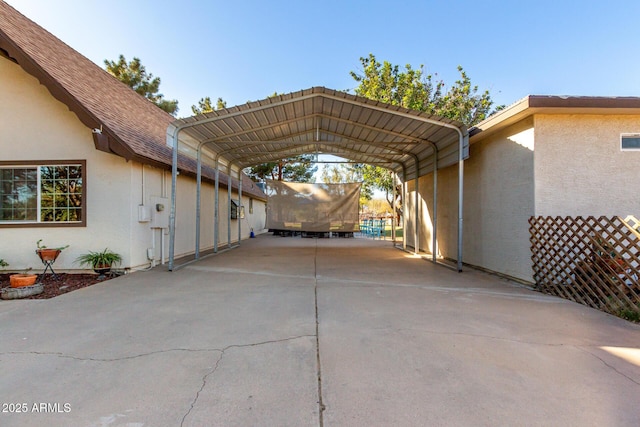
(297, 206)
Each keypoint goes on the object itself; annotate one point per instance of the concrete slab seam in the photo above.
(243, 271)
(370, 284)
(321, 406)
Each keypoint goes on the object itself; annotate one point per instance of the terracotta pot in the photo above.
(48, 254)
(21, 280)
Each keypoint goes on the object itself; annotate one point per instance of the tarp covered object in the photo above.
(312, 207)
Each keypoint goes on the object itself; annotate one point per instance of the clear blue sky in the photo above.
(246, 50)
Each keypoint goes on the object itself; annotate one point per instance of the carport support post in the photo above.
(393, 208)
(239, 205)
(174, 185)
(416, 230)
(198, 202)
(464, 140)
(216, 208)
(229, 187)
(434, 216)
(405, 211)
(460, 201)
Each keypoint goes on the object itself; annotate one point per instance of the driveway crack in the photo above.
(215, 367)
(204, 384)
(205, 378)
(608, 365)
(151, 353)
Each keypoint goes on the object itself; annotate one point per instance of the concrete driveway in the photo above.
(317, 332)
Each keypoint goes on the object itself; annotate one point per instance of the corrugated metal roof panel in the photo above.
(327, 121)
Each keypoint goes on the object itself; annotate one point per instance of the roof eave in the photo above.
(544, 104)
(109, 144)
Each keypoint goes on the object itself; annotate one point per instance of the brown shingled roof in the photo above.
(132, 126)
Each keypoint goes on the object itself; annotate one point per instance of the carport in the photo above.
(319, 121)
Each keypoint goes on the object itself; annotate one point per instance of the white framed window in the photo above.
(250, 206)
(630, 142)
(42, 193)
(237, 211)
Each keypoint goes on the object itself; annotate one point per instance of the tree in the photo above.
(205, 106)
(416, 90)
(135, 75)
(294, 169)
(413, 89)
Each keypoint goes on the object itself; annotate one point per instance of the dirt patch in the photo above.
(63, 284)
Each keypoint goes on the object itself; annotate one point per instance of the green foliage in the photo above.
(293, 169)
(39, 245)
(61, 188)
(135, 75)
(412, 88)
(99, 259)
(630, 314)
(375, 177)
(340, 173)
(3, 263)
(386, 83)
(205, 105)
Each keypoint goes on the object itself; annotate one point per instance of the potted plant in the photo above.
(48, 254)
(21, 285)
(101, 262)
(19, 280)
(22, 280)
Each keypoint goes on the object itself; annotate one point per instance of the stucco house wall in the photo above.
(498, 201)
(580, 168)
(548, 163)
(36, 126)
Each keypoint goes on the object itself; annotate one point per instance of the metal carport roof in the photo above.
(322, 121)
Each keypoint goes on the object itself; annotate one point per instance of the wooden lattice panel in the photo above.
(593, 261)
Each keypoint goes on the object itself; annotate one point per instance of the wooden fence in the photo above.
(592, 261)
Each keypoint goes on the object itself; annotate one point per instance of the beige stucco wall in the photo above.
(35, 126)
(498, 201)
(580, 169)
